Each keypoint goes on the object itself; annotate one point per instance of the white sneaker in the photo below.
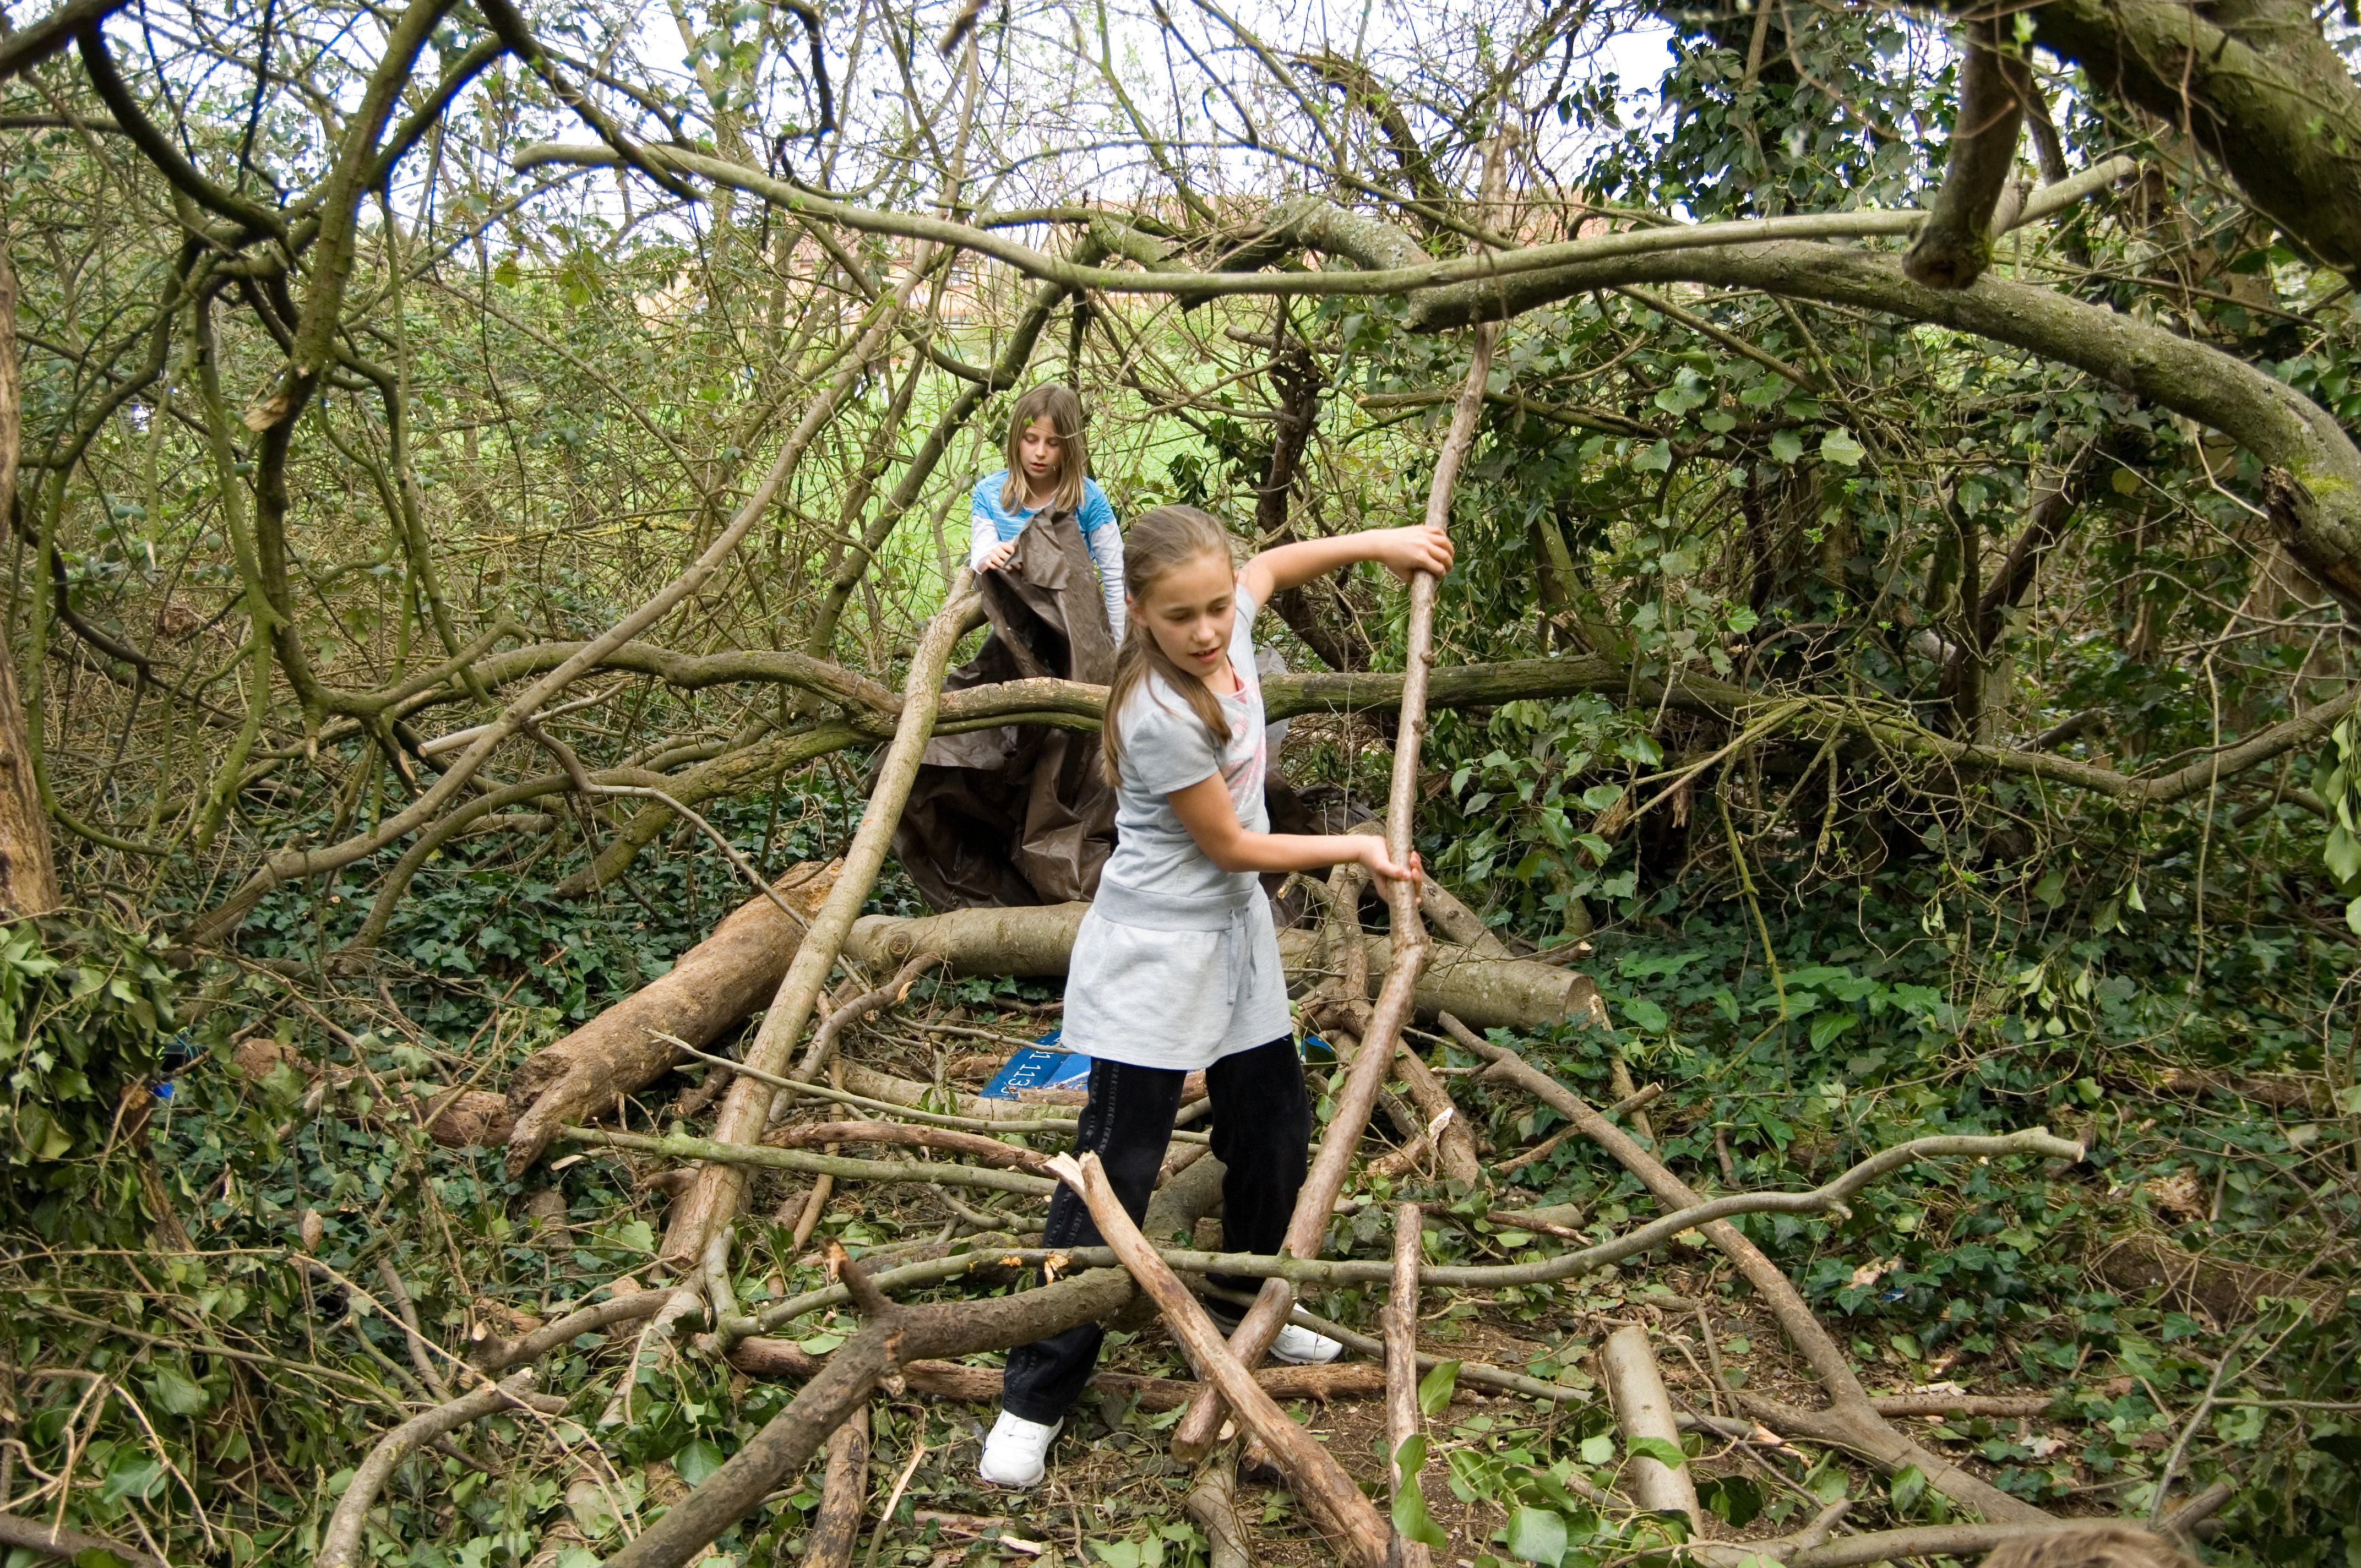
(1015, 1451)
(1299, 1346)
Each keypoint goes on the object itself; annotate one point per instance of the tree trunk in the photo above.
(28, 878)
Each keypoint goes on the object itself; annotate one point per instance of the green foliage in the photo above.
(84, 1011)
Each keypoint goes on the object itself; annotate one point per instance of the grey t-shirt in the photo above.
(1166, 748)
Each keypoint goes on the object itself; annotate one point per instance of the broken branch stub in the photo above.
(1953, 249)
(1635, 1386)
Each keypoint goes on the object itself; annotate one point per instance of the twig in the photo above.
(399, 1294)
(810, 1164)
(885, 1514)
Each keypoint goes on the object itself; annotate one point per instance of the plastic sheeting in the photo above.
(1018, 815)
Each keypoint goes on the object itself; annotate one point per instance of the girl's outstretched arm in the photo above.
(1205, 810)
(1400, 550)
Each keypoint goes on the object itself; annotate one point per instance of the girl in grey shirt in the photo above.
(1176, 968)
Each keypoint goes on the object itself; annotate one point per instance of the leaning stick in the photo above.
(720, 1186)
(1411, 948)
(1402, 1421)
(1849, 1419)
(1313, 1474)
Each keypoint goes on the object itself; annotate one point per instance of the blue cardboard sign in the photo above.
(1036, 1067)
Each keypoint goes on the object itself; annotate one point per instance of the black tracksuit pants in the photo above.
(1261, 1131)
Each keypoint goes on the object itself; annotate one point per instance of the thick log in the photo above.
(714, 986)
(1488, 993)
(721, 980)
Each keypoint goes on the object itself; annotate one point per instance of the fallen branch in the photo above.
(975, 1146)
(1213, 1504)
(630, 1044)
(761, 1358)
(723, 978)
(1700, 1216)
(1409, 949)
(720, 1186)
(1402, 1419)
(1355, 1532)
(1850, 1413)
(734, 1156)
(55, 1540)
(843, 1496)
(1926, 1541)
(340, 1542)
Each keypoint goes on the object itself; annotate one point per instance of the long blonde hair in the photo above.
(1062, 407)
(1162, 539)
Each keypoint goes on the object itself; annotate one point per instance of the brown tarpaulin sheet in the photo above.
(1018, 815)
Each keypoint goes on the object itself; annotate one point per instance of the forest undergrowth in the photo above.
(2174, 1301)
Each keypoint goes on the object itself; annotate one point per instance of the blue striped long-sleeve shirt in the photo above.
(991, 523)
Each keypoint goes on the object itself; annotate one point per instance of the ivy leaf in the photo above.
(1409, 1514)
(1644, 1014)
(175, 1394)
(1668, 1455)
(1787, 446)
(1434, 1388)
(1838, 446)
(1537, 1535)
(699, 1460)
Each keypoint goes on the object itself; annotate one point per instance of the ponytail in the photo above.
(1160, 540)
